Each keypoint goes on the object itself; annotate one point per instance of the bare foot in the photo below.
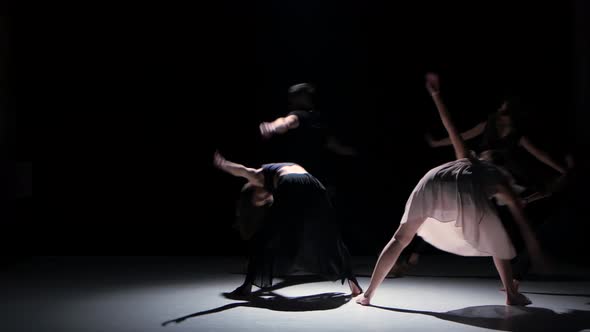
(515, 284)
(354, 289)
(517, 299)
(242, 291)
(362, 300)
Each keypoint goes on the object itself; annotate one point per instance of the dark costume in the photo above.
(298, 233)
(304, 145)
(506, 152)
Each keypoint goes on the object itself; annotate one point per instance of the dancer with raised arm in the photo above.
(502, 142)
(303, 115)
(296, 231)
(450, 209)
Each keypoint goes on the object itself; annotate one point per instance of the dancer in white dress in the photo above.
(450, 209)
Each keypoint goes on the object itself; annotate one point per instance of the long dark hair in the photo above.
(249, 218)
(516, 111)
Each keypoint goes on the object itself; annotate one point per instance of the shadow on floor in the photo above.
(552, 278)
(268, 299)
(558, 294)
(511, 318)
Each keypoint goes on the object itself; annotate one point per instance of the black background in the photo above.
(133, 102)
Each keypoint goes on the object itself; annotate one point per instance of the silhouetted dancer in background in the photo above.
(297, 230)
(450, 209)
(502, 142)
(303, 115)
(306, 137)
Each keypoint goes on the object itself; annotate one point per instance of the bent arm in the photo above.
(250, 174)
(541, 155)
(334, 145)
(279, 126)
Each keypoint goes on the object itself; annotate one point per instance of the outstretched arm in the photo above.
(433, 86)
(334, 145)
(279, 126)
(250, 174)
(541, 155)
(469, 134)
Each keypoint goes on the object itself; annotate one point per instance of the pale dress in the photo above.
(453, 200)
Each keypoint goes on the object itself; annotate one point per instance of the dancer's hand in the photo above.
(431, 141)
(432, 83)
(218, 160)
(267, 129)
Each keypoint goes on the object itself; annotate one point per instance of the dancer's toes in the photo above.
(517, 299)
(362, 300)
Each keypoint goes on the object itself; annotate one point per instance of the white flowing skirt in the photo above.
(452, 201)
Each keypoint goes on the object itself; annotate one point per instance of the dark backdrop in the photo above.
(146, 96)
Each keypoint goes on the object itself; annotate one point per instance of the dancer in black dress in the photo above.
(296, 231)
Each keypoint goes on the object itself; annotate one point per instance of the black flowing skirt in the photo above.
(300, 234)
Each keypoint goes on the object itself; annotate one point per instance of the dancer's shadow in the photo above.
(511, 318)
(555, 278)
(558, 294)
(268, 299)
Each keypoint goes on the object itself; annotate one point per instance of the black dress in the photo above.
(300, 233)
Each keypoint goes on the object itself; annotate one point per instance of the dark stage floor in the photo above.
(445, 293)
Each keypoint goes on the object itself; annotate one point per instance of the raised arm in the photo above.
(433, 87)
(279, 126)
(466, 135)
(541, 155)
(252, 175)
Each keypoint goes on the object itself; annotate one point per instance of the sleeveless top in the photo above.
(270, 171)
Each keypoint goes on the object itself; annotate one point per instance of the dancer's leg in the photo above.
(402, 237)
(513, 297)
(246, 288)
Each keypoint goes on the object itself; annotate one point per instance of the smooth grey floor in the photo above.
(445, 293)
